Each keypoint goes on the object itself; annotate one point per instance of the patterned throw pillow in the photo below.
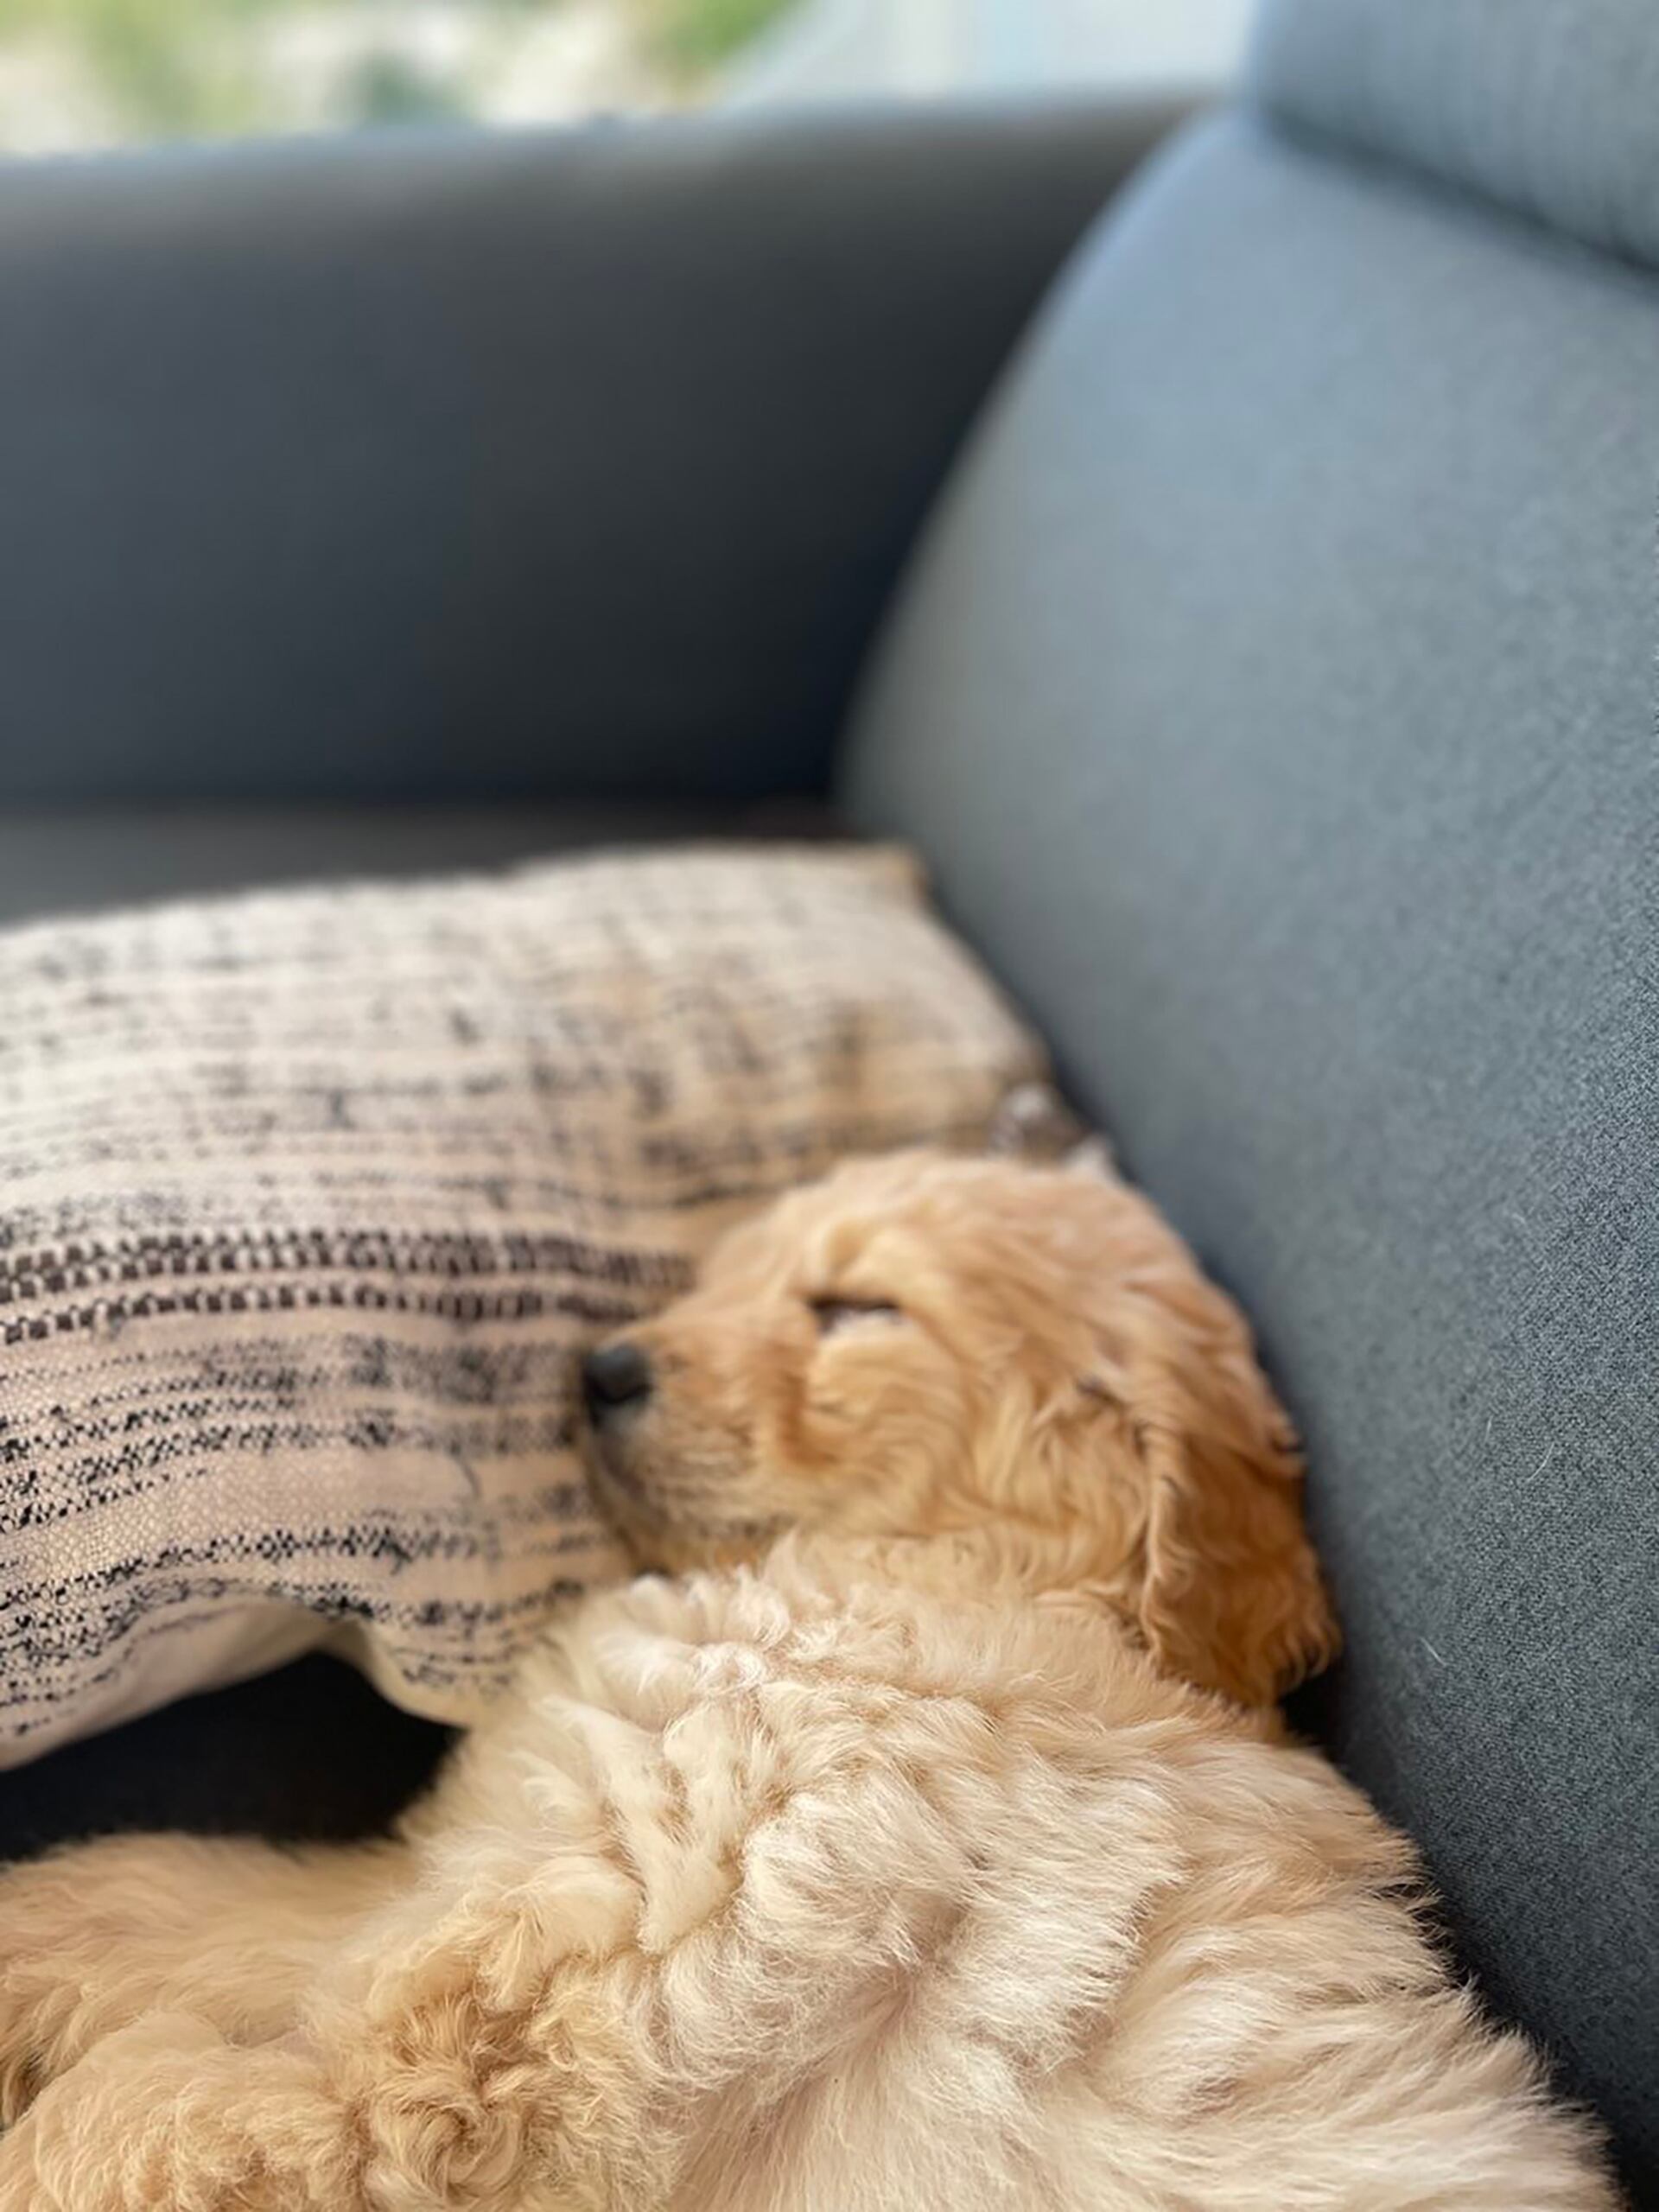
(306, 1200)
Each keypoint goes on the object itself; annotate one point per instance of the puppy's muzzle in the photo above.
(615, 1379)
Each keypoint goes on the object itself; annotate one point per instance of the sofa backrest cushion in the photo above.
(1273, 700)
(468, 464)
(1545, 108)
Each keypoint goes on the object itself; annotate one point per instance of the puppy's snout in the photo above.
(613, 1376)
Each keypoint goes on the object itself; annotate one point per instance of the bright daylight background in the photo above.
(83, 73)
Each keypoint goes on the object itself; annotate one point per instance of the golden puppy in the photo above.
(900, 1870)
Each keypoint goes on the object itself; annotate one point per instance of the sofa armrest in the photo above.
(426, 466)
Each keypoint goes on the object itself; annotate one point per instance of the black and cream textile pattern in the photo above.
(308, 1200)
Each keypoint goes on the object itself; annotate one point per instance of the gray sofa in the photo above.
(1260, 643)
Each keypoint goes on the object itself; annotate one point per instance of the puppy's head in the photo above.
(1027, 1361)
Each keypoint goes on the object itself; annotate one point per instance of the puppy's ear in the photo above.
(1232, 1597)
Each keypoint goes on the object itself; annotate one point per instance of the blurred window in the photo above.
(81, 73)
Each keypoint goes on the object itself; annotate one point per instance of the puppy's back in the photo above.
(900, 1897)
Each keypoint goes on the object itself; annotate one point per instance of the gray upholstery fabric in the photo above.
(1274, 700)
(77, 860)
(1547, 105)
(576, 461)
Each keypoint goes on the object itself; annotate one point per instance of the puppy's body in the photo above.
(809, 1890)
(888, 1874)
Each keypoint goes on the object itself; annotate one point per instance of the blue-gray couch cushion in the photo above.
(411, 466)
(1273, 700)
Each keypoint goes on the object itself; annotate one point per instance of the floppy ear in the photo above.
(1231, 1596)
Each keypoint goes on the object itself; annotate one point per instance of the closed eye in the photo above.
(833, 1313)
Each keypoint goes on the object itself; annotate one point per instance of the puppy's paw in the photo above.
(38, 1986)
(122, 2132)
(73, 1959)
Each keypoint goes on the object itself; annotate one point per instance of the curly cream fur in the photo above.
(894, 1867)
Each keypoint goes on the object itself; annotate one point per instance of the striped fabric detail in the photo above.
(308, 1200)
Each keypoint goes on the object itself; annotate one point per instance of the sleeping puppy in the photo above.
(1027, 1370)
(920, 1840)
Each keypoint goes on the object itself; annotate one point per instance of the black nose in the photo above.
(614, 1376)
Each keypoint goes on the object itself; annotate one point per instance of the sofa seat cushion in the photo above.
(82, 859)
(308, 1753)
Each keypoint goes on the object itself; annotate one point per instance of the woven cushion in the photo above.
(307, 1200)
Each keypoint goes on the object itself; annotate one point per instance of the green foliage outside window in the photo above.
(695, 34)
(169, 68)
